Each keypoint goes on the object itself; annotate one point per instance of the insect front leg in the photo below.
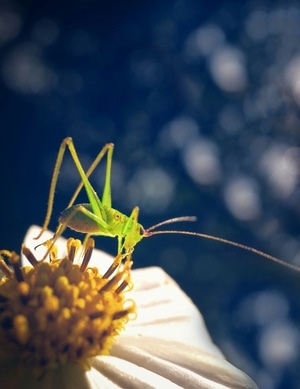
(132, 231)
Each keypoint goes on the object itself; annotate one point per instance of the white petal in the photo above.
(165, 310)
(185, 365)
(125, 374)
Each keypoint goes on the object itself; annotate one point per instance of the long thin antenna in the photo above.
(173, 220)
(239, 245)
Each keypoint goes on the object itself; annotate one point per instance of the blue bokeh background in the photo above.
(202, 102)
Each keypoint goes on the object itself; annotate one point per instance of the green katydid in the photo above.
(99, 218)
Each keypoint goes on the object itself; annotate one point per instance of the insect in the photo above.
(99, 218)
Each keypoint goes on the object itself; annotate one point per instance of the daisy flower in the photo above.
(84, 319)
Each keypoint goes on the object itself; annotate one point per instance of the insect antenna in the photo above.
(173, 220)
(148, 232)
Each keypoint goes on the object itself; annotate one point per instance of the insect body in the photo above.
(99, 218)
(112, 223)
(96, 217)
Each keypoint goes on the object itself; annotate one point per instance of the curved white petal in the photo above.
(166, 346)
(165, 310)
(183, 364)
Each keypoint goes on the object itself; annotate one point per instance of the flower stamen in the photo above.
(29, 255)
(5, 269)
(60, 312)
(89, 247)
(14, 260)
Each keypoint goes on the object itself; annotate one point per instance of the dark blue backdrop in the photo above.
(202, 103)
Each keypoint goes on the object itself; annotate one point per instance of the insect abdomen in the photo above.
(78, 219)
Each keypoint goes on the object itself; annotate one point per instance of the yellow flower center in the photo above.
(59, 312)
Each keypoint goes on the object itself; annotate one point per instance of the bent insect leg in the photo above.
(68, 142)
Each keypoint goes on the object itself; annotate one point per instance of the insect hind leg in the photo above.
(68, 142)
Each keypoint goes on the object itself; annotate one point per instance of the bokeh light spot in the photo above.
(280, 166)
(204, 40)
(10, 25)
(201, 159)
(242, 198)
(25, 71)
(279, 344)
(256, 25)
(228, 70)
(177, 133)
(151, 189)
(292, 75)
